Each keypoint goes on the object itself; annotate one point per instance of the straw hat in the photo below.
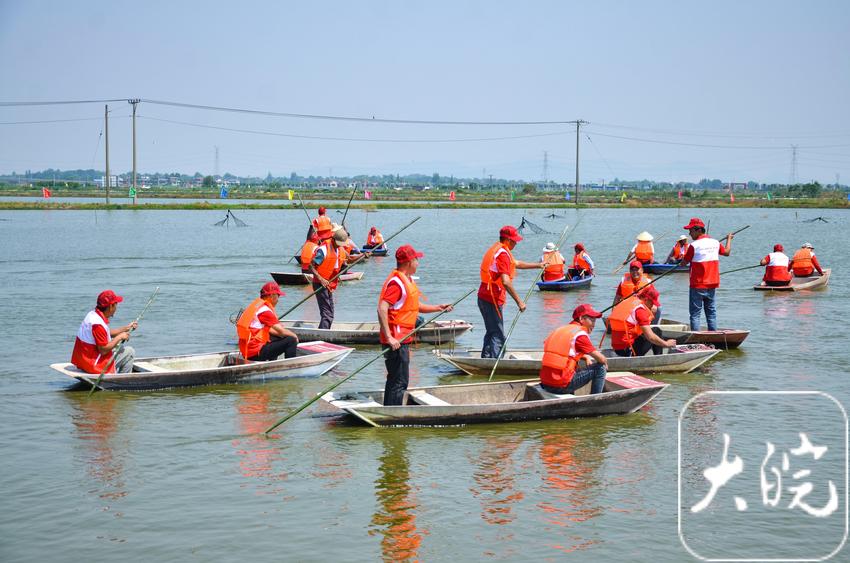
(550, 247)
(807, 245)
(645, 237)
(683, 237)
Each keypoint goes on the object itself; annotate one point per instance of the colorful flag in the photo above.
(291, 194)
(451, 196)
(567, 196)
(731, 197)
(132, 192)
(768, 196)
(513, 195)
(623, 197)
(367, 194)
(45, 193)
(223, 193)
(680, 194)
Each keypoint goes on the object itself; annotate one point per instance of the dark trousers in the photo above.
(573, 273)
(288, 346)
(774, 283)
(595, 373)
(325, 300)
(494, 335)
(641, 346)
(398, 374)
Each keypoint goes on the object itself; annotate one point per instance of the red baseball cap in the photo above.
(635, 264)
(322, 210)
(695, 222)
(778, 248)
(107, 298)
(650, 293)
(406, 253)
(579, 246)
(509, 232)
(271, 288)
(585, 310)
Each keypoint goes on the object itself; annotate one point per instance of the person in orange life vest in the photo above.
(777, 266)
(95, 342)
(261, 336)
(634, 279)
(582, 264)
(497, 270)
(307, 252)
(563, 349)
(643, 251)
(554, 261)
(630, 322)
(398, 306)
(704, 257)
(805, 262)
(374, 239)
(329, 258)
(678, 251)
(314, 225)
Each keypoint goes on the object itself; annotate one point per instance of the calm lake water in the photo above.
(184, 475)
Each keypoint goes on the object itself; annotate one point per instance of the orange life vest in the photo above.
(679, 250)
(802, 263)
(579, 263)
(375, 240)
(307, 254)
(559, 355)
(643, 251)
(627, 287)
(247, 329)
(491, 277)
(333, 262)
(624, 321)
(554, 266)
(401, 315)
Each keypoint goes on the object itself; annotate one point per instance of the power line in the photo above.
(49, 121)
(713, 146)
(722, 135)
(60, 103)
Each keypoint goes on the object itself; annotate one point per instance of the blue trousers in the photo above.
(702, 299)
(596, 372)
(494, 335)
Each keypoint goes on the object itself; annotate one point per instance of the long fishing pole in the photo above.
(349, 204)
(340, 272)
(527, 296)
(333, 386)
(96, 384)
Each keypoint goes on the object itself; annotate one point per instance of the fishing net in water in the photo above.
(536, 229)
(554, 215)
(231, 217)
(815, 219)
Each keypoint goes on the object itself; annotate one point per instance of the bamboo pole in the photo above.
(344, 215)
(333, 386)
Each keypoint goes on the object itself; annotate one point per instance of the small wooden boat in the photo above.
(297, 278)
(216, 368)
(565, 285)
(380, 251)
(368, 332)
(680, 359)
(799, 284)
(507, 401)
(658, 268)
(725, 338)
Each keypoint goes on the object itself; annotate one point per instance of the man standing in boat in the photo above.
(95, 342)
(777, 267)
(563, 349)
(329, 257)
(704, 257)
(261, 336)
(631, 334)
(398, 306)
(497, 270)
(314, 224)
(678, 251)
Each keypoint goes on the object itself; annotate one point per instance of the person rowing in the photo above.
(582, 264)
(307, 252)
(704, 257)
(554, 260)
(95, 342)
(643, 251)
(805, 262)
(777, 268)
(678, 251)
(262, 338)
(329, 258)
(630, 320)
(314, 224)
(565, 347)
(632, 280)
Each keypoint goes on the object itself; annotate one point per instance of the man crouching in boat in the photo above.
(564, 348)
(776, 267)
(631, 334)
(96, 341)
(261, 336)
(398, 307)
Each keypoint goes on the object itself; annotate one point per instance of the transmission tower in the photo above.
(545, 169)
(216, 160)
(793, 164)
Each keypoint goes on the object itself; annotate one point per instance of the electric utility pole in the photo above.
(106, 132)
(135, 102)
(578, 127)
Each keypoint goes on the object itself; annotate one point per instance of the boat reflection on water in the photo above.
(103, 449)
(495, 479)
(397, 503)
(256, 453)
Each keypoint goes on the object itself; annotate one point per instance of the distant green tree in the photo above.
(529, 188)
(209, 182)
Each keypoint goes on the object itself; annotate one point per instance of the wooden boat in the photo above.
(658, 268)
(725, 338)
(799, 284)
(508, 401)
(681, 359)
(216, 368)
(297, 278)
(565, 285)
(437, 332)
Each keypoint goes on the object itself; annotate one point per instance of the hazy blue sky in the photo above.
(730, 74)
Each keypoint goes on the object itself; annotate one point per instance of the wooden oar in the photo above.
(527, 296)
(349, 204)
(330, 388)
(631, 255)
(363, 255)
(96, 384)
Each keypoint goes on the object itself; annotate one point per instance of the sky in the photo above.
(671, 90)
